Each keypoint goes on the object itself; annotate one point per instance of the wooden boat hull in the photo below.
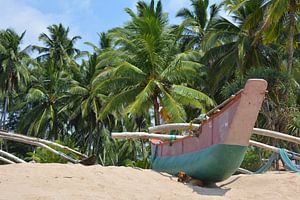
(213, 164)
(218, 149)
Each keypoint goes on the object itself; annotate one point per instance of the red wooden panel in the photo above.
(172, 149)
(205, 139)
(222, 122)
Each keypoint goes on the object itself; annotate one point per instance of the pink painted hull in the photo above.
(232, 125)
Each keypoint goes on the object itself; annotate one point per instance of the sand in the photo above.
(59, 181)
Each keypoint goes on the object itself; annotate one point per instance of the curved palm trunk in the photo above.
(291, 35)
(156, 110)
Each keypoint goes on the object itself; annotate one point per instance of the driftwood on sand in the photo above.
(11, 156)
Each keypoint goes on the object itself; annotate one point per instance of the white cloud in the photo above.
(21, 17)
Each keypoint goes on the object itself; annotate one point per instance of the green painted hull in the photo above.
(213, 164)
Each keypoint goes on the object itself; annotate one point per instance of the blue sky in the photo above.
(84, 17)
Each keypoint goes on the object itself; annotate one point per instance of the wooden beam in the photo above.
(144, 135)
(244, 171)
(271, 148)
(278, 135)
(175, 126)
(6, 160)
(212, 111)
(40, 145)
(11, 156)
(44, 142)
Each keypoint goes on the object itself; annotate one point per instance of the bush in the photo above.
(252, 160)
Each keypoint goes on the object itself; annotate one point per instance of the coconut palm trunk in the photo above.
(290, 51)
(156, 110)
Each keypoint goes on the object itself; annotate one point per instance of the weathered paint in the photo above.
(231, 125)
(212, 164)
(219, 149)
(240, 130)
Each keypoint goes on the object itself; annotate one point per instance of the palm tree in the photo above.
(197, 23)
(281, 15)
(43, 109)
(13, 71)
(105, 43)
(149, 70)
(85, 104)
(239, 49)
(58, 45)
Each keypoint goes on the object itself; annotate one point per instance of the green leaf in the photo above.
(141, 100)
(173, 108)
(79, 90)
(191, 97)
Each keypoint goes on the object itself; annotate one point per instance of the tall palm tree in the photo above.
(43, 109)
(58, 45)
(197, 23)
(279, 16)
(149, 70)
(105, 43)
(240, 50)
(13, 71)
(85, 104)
(282, 15)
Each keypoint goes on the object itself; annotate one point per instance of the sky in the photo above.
(86, 18)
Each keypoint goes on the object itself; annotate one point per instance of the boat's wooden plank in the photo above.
(215, 109)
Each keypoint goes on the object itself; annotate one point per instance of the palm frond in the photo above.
(174, 109)
(142, 100)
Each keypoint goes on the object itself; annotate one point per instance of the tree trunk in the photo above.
(156, 110)
(4, 113)
(291, 35)
(98, 138)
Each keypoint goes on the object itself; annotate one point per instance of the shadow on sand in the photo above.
(213, 189)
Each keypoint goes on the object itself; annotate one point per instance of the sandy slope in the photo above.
(56, 181)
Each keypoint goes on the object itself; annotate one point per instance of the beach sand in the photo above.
(68, 181)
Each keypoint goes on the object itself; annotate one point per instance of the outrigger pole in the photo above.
(6, 160)
(40, 145)
(33, 139)
(10, 156)
(192, 127)
(85, 160)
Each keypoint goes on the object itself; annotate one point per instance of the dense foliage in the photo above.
(150, 72)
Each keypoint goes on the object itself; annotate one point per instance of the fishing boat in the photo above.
(218, 148)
